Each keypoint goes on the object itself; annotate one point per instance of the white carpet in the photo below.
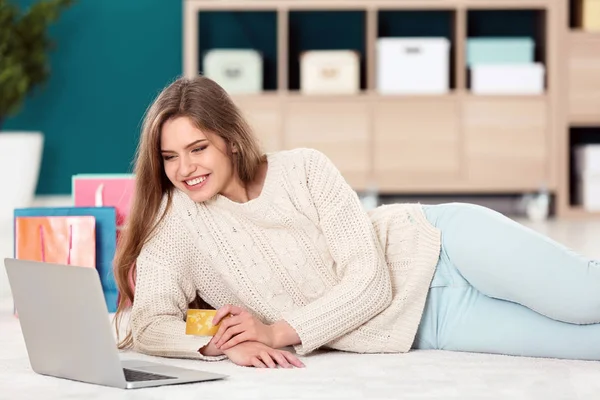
(416, 375)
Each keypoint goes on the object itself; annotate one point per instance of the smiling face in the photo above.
(196, 162)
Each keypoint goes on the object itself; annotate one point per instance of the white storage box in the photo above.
(515, 79)
(588, 191)
(237, 71)
(413, 65)
(587, 172)
(329, 72)
(587, 159)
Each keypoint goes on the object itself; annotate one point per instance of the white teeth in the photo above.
(196, 181)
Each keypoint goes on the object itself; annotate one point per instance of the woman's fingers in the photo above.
(264, 356)
(280, 358)
(229, 335)
(226, 324)
(225, 311)
(257, 363)
(237, 339)
(295, 361)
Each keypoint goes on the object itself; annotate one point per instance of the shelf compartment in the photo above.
(339, 129)
(584, 15)
(579, 136)
(584, 78)
(506, 141)
(241, 30)
(325, 30)
(432, 23)
(509, 24)
(411, 147)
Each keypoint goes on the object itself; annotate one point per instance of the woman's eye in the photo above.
(167, 158)
(198, 149)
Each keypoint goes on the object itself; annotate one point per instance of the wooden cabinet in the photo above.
(584, 79)
(453, 142)
(506, 142)
(264, 114)
(339, 129)
(415, 142)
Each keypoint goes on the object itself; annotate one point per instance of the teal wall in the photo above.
(114, 56)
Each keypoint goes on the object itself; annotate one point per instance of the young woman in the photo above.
(282, 247)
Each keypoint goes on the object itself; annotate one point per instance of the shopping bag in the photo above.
(104, 190)
(106, 233)
(62, 240)
(106, 240)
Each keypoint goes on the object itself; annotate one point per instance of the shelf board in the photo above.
(580, 212)
(374, 95)
(454, 186)
(580, 35)
(298, 95)
(366, 5)
(361, 96)
(506, 97)
(452, 95)
(265, 94)
(584, 120)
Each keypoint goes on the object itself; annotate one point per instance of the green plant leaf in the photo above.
(24, 50)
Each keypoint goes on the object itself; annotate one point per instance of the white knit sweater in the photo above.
(304, 251)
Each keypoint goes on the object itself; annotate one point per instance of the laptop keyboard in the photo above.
(132, 375)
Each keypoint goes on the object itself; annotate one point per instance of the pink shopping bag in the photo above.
(104, 190)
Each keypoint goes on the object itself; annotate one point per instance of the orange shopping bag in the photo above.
(61, 240)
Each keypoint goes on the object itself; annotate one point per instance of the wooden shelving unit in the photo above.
(453, 143)
(580, 93)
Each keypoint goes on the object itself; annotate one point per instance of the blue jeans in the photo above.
(503, 288)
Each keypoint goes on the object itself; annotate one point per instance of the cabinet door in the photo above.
(506, 142)
(339, 129)
(584, 78)
(416, 143)
(263, 113)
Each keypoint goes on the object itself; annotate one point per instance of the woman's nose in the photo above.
(185, 166)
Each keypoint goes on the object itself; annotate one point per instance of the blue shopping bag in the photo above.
(106, 240)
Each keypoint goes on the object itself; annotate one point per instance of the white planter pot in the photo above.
(20, 159)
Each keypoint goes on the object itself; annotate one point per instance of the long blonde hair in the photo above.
(210, 108)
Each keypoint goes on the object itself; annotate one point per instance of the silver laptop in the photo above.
(65, 323)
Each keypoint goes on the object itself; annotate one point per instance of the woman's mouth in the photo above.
(196, 183)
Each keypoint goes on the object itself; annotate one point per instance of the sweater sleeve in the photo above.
(365, 287)
(162, 296)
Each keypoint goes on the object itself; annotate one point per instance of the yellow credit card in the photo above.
(199, 323)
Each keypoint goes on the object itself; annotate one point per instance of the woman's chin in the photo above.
(198, 196)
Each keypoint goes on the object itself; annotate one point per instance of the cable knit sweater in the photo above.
(304, 251)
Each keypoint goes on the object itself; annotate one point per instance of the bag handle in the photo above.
(70, 244)
(98, 196)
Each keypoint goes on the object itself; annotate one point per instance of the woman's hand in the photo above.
(254, 354)
(239, 327)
